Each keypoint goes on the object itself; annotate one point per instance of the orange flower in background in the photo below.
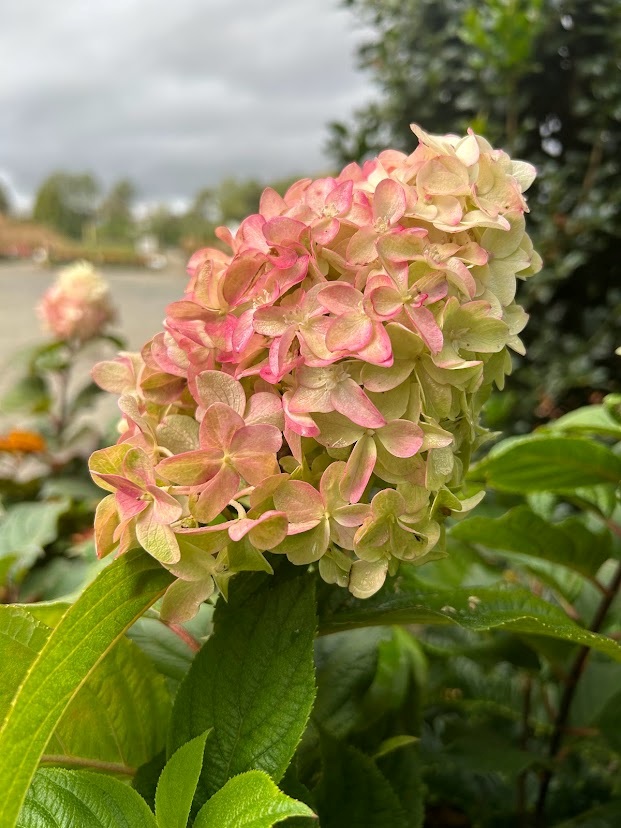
(22, 442)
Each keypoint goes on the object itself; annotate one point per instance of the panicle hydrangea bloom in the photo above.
(316, 393)
(77, 306)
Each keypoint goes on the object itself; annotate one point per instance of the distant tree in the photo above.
(5, 201)
(165, 225)
(115, 214)
(237, 199)
(541, 79)
(67, 202)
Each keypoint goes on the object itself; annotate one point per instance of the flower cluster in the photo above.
(316, 393)
(77, 306)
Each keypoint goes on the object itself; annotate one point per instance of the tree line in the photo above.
(75, 205)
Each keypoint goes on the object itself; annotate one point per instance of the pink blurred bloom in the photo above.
(78, 305)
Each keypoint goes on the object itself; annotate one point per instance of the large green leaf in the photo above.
(177, 783)
(549, 463)
(346, 667)
(250, 800)
(253, 683)
(119, 717)
(89, 629)
(407, 600)
(21, 638)
(591, 419)
(353, 792)
(524, 532)
(76, 799)
(27, 527)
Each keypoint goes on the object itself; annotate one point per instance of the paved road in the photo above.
(140, 296)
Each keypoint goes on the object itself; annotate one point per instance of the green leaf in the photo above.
(88, 630)
(549, 463)
(60, 798)
(252, 682)
(407, 600)
(250, 800)
(118, 719)
(346, 666)
(524, 532)
(393, 743)
(592, 419)
(26, 528)
(175, 789)
(29, 395)
(21, 638)
(167, 651)
(609, 722)
(354, 793)
(602, 816)
(85, 397)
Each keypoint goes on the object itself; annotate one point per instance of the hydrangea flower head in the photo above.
(77, 306)
(316, 392)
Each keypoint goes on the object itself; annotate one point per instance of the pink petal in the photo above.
(270, 321)
(403, 246)
(240, 275)
(351, 516)
(362, 246)
(349, 399)
(359, 469)
(386, 302)
(424, 323)
(192, 468)
(218, 387)
(379, 350)
(299, 423)
(251, 230)
(401, 438)
(389, 201)
(166, 509)
(265, 408)
(219, 426)
(253, 452)
(350, 332)
(216, 495)
(253, 439)
(339, 298)
(265, 532)
(130, 505)
(283, 231)
(300, 501)
(316, 194)
(271, 204)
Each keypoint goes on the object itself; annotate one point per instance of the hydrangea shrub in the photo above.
(78, 306)
(316, 393)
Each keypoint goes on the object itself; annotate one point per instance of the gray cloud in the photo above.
(175, 95)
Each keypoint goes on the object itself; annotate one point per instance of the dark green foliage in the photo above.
(541, 79)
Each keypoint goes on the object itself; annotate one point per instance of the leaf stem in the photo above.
(184, 635)
(571, 684)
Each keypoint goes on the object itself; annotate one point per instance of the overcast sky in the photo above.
(175, 95)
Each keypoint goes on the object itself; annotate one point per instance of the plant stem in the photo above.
(63, 394)
(571, 684)
(521, 780)
(185, 636)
